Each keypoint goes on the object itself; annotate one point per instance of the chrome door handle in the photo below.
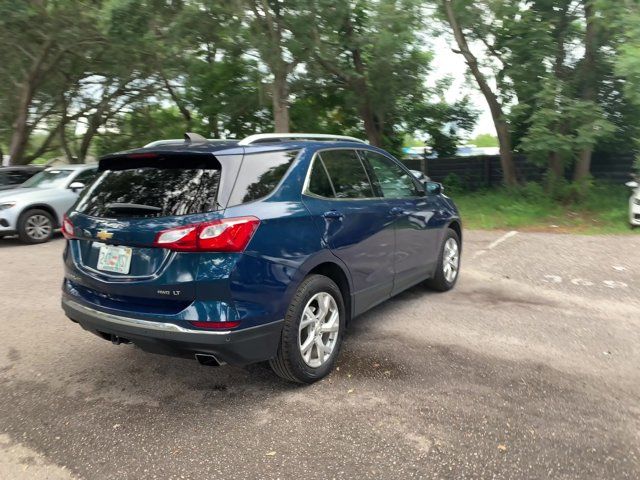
(396, 211)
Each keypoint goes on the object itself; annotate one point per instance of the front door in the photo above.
(416, 245)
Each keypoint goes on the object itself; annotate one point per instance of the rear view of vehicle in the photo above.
(259, 250)
(155, 259)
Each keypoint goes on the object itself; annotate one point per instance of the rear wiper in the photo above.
(132, 206)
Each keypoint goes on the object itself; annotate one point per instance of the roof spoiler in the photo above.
(190, 137)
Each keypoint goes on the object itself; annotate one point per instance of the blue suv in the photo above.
(257, 250)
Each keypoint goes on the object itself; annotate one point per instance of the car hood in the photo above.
(21, 194)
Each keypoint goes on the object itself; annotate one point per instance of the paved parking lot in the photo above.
(529, 369)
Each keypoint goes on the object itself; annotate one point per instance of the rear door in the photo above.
(417, 237)
(355, 224)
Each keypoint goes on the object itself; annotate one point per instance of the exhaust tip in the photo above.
(208, 360)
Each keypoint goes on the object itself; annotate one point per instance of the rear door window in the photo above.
(260, 174)
(159, 188)
(319, 183)
(347, 174)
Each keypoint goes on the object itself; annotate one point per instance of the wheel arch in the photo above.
(42, 206)
(456, 226)
(336, 273)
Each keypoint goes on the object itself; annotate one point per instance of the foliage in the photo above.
(83, 78)
(603, 210)
(484, 140)
(563, 125)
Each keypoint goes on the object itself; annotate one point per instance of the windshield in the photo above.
(48, 179)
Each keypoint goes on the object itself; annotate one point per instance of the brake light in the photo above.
(215, 325)
(67, 228)
(226, 235)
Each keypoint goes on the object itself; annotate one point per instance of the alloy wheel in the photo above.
(38, 227)
(319, 328)
(451, 260)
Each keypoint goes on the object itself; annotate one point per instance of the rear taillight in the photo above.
(226, 235)
(67, 228)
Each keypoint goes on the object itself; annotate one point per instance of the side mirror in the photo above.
(77, 187)
(433, 188)
(632, 184)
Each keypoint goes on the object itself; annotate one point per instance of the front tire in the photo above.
(312, 333)
(448, 268)
(35, 226)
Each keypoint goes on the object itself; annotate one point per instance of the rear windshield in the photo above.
(161, 188)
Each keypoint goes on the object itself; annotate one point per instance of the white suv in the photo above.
(634, 205)
(35, 209)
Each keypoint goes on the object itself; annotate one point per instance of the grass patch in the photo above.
(605, 210)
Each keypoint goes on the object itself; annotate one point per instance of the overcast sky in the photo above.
(446, 63)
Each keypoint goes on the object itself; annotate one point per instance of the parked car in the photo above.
(263, 250)
(634, 204)
(35, 209)
(12, 177)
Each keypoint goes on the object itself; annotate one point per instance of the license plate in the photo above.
(114, 259)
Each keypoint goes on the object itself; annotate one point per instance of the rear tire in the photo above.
(35, 226)
(447, 262)
(312, 332)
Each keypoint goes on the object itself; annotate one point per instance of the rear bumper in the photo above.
(236, 347)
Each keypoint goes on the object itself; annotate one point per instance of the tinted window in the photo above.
(260, 174)
(48, 179)
(319, 183)
(177, 187)
(347, 174)
(388, 177)
(86, 177)
(15, 177)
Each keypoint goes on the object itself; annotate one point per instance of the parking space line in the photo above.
(497, 242)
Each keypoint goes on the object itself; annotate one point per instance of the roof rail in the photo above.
(181, 141)
(280, 137)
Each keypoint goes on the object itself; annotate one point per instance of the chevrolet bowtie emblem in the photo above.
(104, 235)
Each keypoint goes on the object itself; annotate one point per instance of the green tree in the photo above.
(372, 52)
(277, 33)
(469, 19)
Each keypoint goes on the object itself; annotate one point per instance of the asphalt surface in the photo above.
(528, 369)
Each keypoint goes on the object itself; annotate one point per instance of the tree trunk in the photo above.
(20, 135)
(280, 96)
(20, 125)
(374, 135)
(556, 168)
(583, 164)
(184, 111)
(71, 158)
(503, 129)
(213, 126)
